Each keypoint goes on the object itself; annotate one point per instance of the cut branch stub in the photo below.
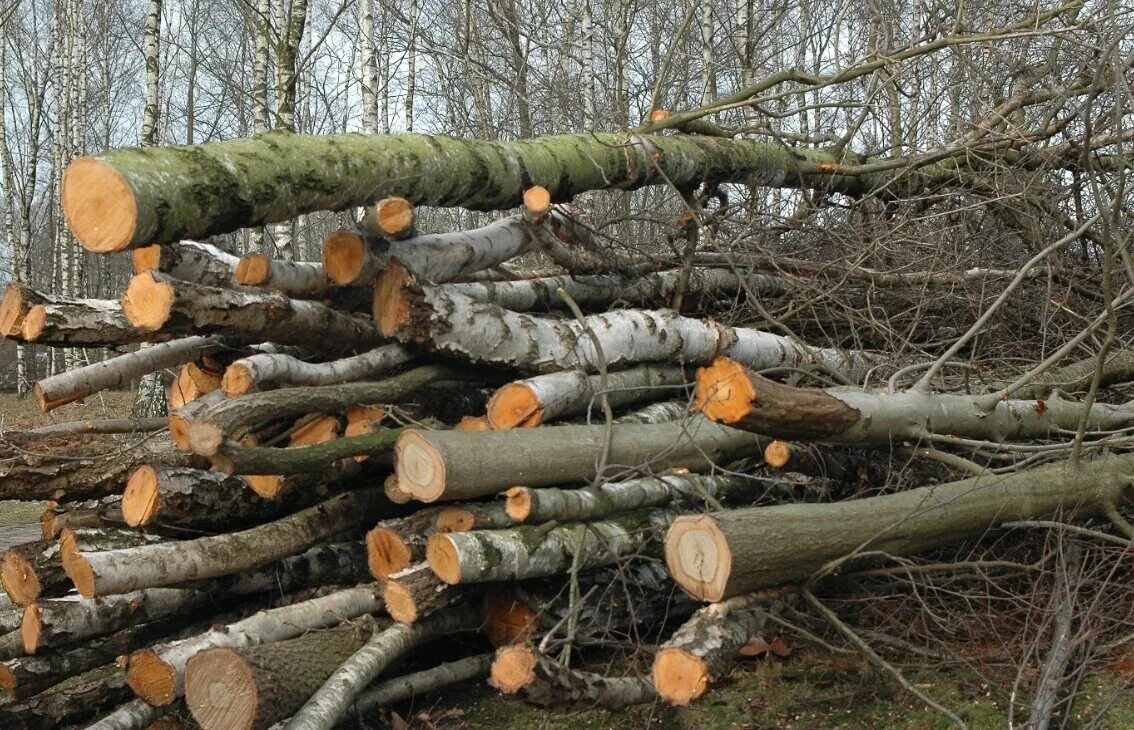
(537, 201)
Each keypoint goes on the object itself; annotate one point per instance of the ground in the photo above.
(811, 689)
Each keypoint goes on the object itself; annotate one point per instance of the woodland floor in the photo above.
(812, 689)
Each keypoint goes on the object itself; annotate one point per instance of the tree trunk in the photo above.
(543, 682)
(103, 426)
(787, 543)
(253, 688)
(416, 592)
(297, 279)
(264, 371)
(196, 263)
(452, 465)
(29, 315)
(234, 459)
(664, 412)
(390, 219)
(441, 257)
(534, 401)
(164, 194)
(119, 571)
(199, 500)
(730, 393)
(394, 545)
(530, 552)
(330, 702)
(473, 516)
(420, 683)
(133, 715)
(31, 570)
(70, 702)
(157, 674)
(228, 419)
(491, 335)
(707, 645)
(164, 307)
(195, 380)
(349, 259)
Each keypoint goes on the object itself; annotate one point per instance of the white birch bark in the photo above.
(369, 67)
(265, 370)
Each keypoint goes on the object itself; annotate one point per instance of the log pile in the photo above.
(398, 443)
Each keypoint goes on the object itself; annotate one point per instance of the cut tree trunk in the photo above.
(48, 319)
(530, 552)
(105, 512)
(298, 279)
(730, 393)
(492, 335)
(415, 685)
(133, 715)
(394, 545)
(228, 419)
(130, 198)
(524, 504)
(80, 466)
(707, 645)
(391, 218)
(663, 412)
(264, 371)
(349, 259)
(330, 702)
(414, 593)
(117, 372)
(252, 688)
(787, 543)
(157, 674)
(534, 401)
(58, 622)
(31, 570)
(473, 516)
(197, 263)
(233, 459)
(194, 380)
(181, 419)
(543, 682)
(159, 305)
(69, 703)
(102, 426)
(151, 566)
(450, 465)
(297, 486)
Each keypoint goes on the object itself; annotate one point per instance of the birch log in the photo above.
(199, 500)
(48, 319)
(298, 279)
(450, 465)
(264, 371)
(198, 263)
(420, 683)
(542, 682)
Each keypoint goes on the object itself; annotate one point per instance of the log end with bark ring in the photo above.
(514, 405)
(513, 668)
(386, 553)
(420, 467)
(179, 432)
(34, 323)
(537, 201)
(146, 258)
(391, 301)
(46, 403)
(237, 380)
(344, 255)
(455, 519)
(507, 620)
(141, 499)
(724, 391)
(400, 603)
(658, 115)
(698, 557)
(147, 302)
(395, 493)
(518, 503)
(680, 676)
(394, 216)
(79, 571)
(221, 690)
(254, 270)
(152, 678)
(443, 559)
(99, 205)
(777, 454)
(13, 309)
(19, 579)
(31, 628)
(267, 486)
(204, 438)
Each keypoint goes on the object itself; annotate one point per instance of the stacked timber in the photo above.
(408, 440)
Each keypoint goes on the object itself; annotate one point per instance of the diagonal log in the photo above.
(266, 370)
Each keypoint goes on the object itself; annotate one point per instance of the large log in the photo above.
(704, 648)
(449, 465)
(252, 688)
(160, 305)
(730, 393)
(228, 418)
(49, 319)
(200, 500)
(543, 682)
(198, 263)
(73, 467)
(263, 371)
(724, 554)
(157, 674)
(489, 334)
(137, 197)
(331, 701)
(530, 552)
(117, 372)
(151, 566)
(533, 401)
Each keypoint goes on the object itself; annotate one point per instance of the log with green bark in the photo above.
(456, 325)
(157, 674)
(537, 679)
(724, 554)
(450, 465)
(377, 447)
(136, 197)
(730, 393)
(530, 551)
(255, 687)
(151, 566)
